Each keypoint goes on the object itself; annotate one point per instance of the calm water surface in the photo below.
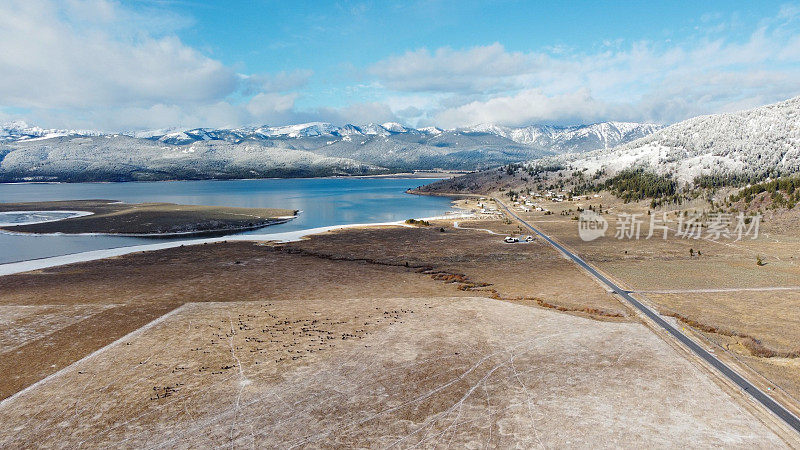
(323, 202)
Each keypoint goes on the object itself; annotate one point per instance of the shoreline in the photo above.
(93, 255)
(444, 194)
(218, 231)
(399, 175)
(145, 220)
(10, 268)
(282, 237)
(13, 224)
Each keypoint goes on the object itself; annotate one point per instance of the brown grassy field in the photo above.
(350, 338)
(377, 372)
(717, 288)
(524, 271)
(130, 291)
(114, 217)
(124, 293)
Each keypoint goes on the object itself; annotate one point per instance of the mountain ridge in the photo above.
(528, 135)
(729, 149)
(309, 149)
(758, 142)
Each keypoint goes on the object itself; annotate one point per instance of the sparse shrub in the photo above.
(418, 223)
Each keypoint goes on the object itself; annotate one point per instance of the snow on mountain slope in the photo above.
(371, 147)
(19, 130)
(300, 130)
(124, 158)
(431, 130)
(545, 138)
(423, 151)
(763, 141)
(394, 127)
(374, 129)
(571, 139)
(349, 130)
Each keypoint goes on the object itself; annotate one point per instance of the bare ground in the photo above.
(143, 286)
(757, 328)
(132, 290)
(381, 372)
(311, 343)
(113, 217)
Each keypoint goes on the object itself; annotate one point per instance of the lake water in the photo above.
(323, 202)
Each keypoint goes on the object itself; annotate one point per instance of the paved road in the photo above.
(759, 395)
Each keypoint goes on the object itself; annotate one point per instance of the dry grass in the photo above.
(146, 218)
(383, 262)
(307, 343)
(461, 372)
(133, 290)
(761, 328)
(505, 271)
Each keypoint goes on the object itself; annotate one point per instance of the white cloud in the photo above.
(47, 62)
(100, 64)
(96, 64)
(358, 113)
(643, 81)
(277, 82)
(532, 106)
(484, 68)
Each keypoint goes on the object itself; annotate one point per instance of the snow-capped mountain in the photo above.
(373, 129)
(547, 138)
(394, 127)
(19, 130)
(300, 130)
(578, 138)
(431, 130)
(29, 153)
(125, 158)
(763, 141)
(350, 130)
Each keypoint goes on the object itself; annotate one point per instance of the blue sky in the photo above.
(161, 63)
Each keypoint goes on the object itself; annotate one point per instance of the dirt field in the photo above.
(124, 293)
(524, 271)
(717, 289)
(130, 291)
(353, 338)
(113, 217)
(462, 372)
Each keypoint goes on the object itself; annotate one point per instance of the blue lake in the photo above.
(323, 202)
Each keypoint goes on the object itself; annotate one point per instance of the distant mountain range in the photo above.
(310, 149)
(729, 149)
(757, 143)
